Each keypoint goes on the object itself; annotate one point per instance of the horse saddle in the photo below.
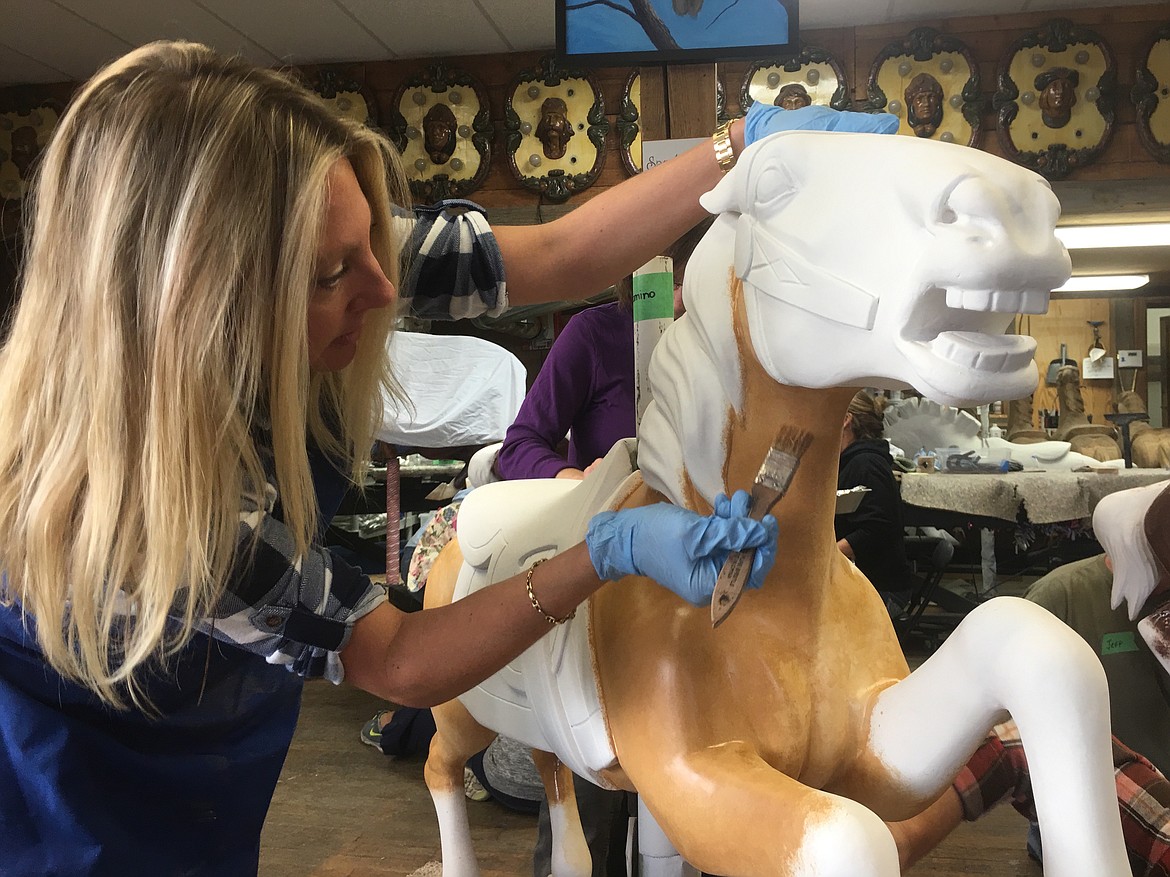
(548, 697)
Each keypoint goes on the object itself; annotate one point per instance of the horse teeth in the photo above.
(1035, 302)
(979, 300)
(1018, 359)
(992, 361)
(1000, 301)
(976, 350)
(957, 347)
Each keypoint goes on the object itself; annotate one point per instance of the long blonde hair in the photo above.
(156, 368)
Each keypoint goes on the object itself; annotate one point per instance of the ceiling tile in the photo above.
(528, 26)
(18, 68)
(1057, 5)
(47, 40)
(440, 27)
(57, 38)
(842, 13)
(910, 10)
(300, 31)
(137, 23)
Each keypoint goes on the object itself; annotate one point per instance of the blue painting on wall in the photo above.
(674, 31)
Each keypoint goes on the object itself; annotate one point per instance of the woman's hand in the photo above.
(679, 549)
(763, 119)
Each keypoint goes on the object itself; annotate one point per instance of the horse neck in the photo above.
(820, 413)
(805, 514)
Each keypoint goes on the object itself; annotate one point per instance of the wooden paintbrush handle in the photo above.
(730, 583)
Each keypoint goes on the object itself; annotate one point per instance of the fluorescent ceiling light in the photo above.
(1104, 283)
(1145, 234)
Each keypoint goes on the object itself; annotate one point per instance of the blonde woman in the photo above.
(189, 384)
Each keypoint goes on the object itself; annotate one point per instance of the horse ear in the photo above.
(724, 198)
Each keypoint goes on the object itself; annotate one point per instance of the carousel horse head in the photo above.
(902, 260)
(856, 260)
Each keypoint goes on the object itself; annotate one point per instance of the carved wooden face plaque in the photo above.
(347, 97)
(629, 127)
(1151, 93)
(555, 130)
(1055, 99)
(931, 83)
(441, 123)
(23, 134)
(812, 77)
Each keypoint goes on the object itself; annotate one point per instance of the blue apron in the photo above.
(89, 790)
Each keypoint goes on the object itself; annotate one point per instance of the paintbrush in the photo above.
(776, 473)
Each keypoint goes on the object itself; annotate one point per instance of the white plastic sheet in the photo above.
(460, 391)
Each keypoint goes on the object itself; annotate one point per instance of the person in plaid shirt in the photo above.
(189, 384)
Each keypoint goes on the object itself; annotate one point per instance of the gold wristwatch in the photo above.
(724, 154)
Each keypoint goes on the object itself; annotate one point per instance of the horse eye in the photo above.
(772, 186)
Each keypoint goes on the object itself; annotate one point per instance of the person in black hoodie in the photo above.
(871, 536)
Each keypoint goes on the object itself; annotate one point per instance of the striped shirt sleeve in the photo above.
(452, 264)
(294, 610)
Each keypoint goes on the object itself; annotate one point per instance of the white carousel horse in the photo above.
(923, 423)
(778, 743)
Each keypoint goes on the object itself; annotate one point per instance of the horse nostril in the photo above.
(975, 207)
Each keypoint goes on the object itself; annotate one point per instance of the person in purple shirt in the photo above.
(585, 388)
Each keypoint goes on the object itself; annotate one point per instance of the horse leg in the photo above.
(733, 813)
(657, 856)
(570, 852)
(1007, 656)
(457, 737)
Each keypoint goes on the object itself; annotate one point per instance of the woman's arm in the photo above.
(424, 658)
(428, 657)
(613, 233)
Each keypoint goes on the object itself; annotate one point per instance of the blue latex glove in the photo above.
(679, 549)
(763, 119)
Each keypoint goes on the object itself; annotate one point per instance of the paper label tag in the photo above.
(654, 296)
(1093, 369)
(1117, 643)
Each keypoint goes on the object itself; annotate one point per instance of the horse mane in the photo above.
(695, 379)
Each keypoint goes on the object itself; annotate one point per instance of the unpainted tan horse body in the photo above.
(1150, 445)
(1096, 440)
